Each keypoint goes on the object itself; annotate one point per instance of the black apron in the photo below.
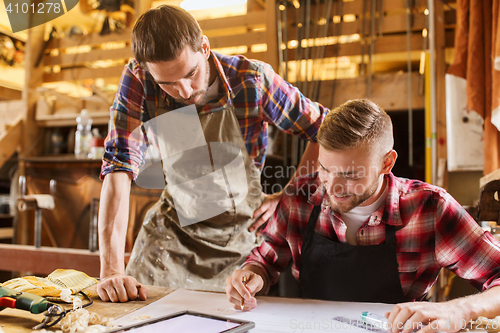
(335, 271)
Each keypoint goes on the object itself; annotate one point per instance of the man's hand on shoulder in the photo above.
(121, 288)
(266, 210)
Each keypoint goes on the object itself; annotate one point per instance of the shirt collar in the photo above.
(222, 75)
(388, 213)
(227, 93)
(319, 196)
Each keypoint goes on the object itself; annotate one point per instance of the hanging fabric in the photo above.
(475, 33)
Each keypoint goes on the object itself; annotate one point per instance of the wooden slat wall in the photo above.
(385, 91)
(251, 29)
(75, 65)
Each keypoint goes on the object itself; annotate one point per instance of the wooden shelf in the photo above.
(6, 233)
(60, 120)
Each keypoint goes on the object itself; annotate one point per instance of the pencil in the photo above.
(244, 280)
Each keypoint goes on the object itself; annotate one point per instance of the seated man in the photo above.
(355, 232)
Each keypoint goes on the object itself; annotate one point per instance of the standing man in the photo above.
(355, 232)
(235, 99)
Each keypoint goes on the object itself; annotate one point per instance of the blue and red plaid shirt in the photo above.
(258, 94)
(435, 232)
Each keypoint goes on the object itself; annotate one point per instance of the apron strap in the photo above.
(311, 224)
(390, 234)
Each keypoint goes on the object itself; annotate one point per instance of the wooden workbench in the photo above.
(18, 321)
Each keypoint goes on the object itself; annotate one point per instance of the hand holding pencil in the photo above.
(241, 288)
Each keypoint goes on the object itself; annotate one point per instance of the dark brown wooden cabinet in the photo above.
(77, 186)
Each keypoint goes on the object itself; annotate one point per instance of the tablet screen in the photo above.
(189, 322)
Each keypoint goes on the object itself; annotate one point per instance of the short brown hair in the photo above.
(161, 33)
(356, 122)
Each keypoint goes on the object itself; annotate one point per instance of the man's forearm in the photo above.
(486, 304)
(113, 222)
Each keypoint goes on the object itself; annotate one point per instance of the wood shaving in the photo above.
(66, 296)
(142, 317)
(490, 325)
(82, 321)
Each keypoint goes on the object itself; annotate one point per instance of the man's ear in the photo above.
(389, 161)
(205, 46)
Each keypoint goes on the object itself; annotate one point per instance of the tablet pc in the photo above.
(187, 322)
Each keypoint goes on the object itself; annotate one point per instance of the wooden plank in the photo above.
(45, 260)
(59, 120)
(272, 56)
(489, 177)
(141, 7)
(9, 93)
(255, 5)
(91, 39)
(250, 20)
(10, 141)
(251, 38)
(94, 55)
(385, 44)
(388, 90)
(31, 142)
(83, 74)
(440, 39)
(356, 8)
(6, 233)
(392, 24)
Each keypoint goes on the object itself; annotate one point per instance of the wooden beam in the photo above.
(90, 39)
(31, 141)
(73, 74)
(251, 38)
(356, 8)
(45, 260)
(489, 177)
(9, 93)
(94, 55)
(386, 44)
(390, 91)
(141, 7)
(59, 120)
(396, 24)
(32, 138)
(272, 35)
(249, 21)
(440, 38)
(255, 5)
(10, 141)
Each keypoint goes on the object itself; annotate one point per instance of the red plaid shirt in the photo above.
(435, 232)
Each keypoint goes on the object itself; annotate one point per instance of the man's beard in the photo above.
(202, 92)
(355, 200)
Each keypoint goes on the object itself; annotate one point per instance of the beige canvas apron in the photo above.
(202, 255)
